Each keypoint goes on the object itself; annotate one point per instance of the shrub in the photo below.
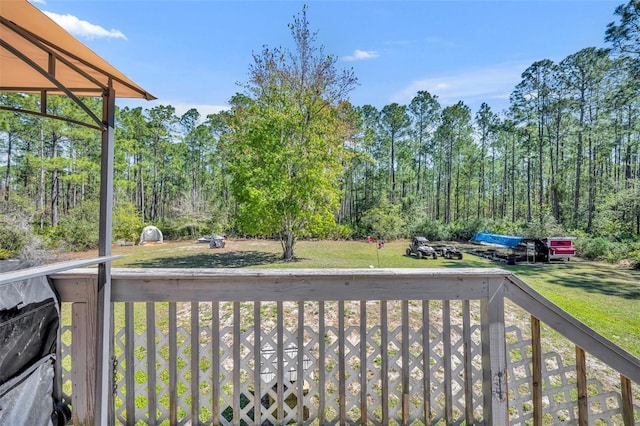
(432, 230)
(79, 229)
(465, 230)
(127, 223)
(12, 238)
(384, 222)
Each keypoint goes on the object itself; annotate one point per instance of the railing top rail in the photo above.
(155, 285)
(244, 273)
(38, 271)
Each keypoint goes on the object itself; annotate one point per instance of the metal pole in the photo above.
(103, 391)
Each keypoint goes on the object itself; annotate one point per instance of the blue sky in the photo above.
(192, 53)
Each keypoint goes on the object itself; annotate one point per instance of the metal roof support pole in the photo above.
(104, 350)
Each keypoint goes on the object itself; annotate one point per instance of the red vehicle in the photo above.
(559, 248)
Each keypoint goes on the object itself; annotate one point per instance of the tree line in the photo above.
(293, 158)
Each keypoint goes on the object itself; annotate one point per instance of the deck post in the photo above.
(494, 355)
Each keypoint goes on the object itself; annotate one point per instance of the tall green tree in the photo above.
(287, 140)
(395, 122)
(625, 34)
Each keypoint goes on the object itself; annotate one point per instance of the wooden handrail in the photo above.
(388, 287)
(573, 329)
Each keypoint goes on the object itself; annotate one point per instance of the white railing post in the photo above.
(494, 356)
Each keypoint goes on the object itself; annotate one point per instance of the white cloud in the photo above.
(492, 83)
(180, 107)
(203, 109)
(361, 55)
(82, 28)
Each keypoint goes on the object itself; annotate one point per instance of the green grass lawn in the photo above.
(605, 297)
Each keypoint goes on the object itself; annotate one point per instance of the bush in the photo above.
(634, 255)
(431, 230)
(384, 222)
(465, 230)
(79, 229)
(127, 223)
(599, 248)
(13, 238)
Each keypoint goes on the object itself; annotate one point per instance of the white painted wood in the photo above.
(494, 358)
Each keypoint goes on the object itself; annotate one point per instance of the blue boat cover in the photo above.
(495, 239)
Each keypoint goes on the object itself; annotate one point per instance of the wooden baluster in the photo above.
(151, 362)
(257, 348)
(627, 401)
(406, 413)
(236, 363)
(195, 360)
(321, 364)
(280, 363)
(581, 372)
(173, 359)
(129, 359)
(384, 365)
(468, 369)
(300, 361)
(341, 364)
(363, 363)
(215, 364)
(536, 355)
(426, 362)
(446, 361)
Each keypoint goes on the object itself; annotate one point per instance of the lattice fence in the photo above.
(282, 362)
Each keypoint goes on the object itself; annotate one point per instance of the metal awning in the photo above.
(38, 56)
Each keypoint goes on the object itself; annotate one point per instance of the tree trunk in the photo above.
(7, 177)
(54, 181)
(288, 244)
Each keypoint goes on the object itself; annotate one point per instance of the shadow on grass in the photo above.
(607, 282)
(232, 259)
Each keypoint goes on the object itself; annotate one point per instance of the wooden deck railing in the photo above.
(379, 346)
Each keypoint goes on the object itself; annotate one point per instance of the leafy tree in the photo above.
(286, 143)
